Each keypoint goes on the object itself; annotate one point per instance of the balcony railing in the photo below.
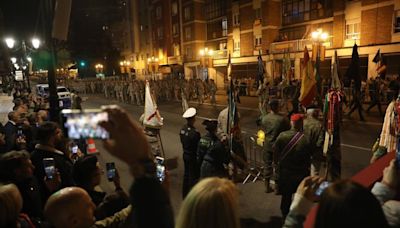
(220, 54)
(175, 60)
(295, 45)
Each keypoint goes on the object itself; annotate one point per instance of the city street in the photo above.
(255, 204)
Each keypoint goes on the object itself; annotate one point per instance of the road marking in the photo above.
(356, 147)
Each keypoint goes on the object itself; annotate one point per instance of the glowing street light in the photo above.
(319, 35)
(35, 43)
(10, 42)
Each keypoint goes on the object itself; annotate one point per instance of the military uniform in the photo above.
(190, 138)
(293, 162)
(215, 157)
(315, 133)
(272, 124)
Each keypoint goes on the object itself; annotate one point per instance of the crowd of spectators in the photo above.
(28, 198)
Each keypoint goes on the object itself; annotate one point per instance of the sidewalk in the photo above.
(6, 106)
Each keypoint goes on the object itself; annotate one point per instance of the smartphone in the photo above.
(20, 132)
(160, 168)
(84, 124)
(322, 187)
(74, 149)
(110, 166)
(49, 167)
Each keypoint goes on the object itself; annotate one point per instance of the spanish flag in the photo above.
(308, 83)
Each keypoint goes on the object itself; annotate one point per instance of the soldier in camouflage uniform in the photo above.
(213, 91)
(292, 154)
(272, 124)
(314, 131)
(263, 95)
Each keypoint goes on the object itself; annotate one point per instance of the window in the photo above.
(175, 29)
(189, 52)
(188, 33)
(187, 13)
(160, 32)
(258, 13)
(222, 46)
(236, 45)
(224, 27)
(158, 12)
(215, 9)
(397, 21)
(257, 40)
(297, 11)
(236, 20)
(174, 8)
(352, 31)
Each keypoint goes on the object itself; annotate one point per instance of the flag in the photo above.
(308, 84)
(335, 76)
(232, 114)
(286, 68)
(380, 66)
(260, 69)
(229, 67)
(152, 116)
(353, 72)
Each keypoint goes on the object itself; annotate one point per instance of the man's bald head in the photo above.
(70, 207)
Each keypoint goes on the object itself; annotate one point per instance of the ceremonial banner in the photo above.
(152, 117)
(335, 76)
(353, 72)
(260, 69)
(308, 84)
(229, 67)
(185, 105)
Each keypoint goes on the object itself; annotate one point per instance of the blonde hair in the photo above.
(10, 205)
(212, 203)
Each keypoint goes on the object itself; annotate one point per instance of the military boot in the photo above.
(268, 188)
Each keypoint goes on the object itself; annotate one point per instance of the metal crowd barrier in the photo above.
(254, 157)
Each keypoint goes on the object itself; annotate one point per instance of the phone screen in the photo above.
(84, 124)
(74, 149)
(160, 169)
(110, 170)
(322, 188)
(49, 167)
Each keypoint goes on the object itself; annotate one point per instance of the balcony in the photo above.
(295, 45)
(220, 54)
(175, 60)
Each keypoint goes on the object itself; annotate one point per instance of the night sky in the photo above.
(20, 17)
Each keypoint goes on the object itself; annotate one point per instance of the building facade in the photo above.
(174, 35)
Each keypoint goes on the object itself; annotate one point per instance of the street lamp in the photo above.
(10, 42)
(319, 37)
(35, 43)
(125, 67)
(24, 60)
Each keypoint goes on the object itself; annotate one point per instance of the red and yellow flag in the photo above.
(308, 83)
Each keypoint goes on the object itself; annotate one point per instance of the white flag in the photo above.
(152, 117)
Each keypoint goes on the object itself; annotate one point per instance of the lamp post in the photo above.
(319, 37)
(24, 60)
(206, 61)
(125, 67)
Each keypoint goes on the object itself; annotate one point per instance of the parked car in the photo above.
(64, 96)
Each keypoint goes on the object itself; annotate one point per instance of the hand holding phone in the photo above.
(49, 167)
(321, 188)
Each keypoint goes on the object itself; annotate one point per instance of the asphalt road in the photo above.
(256, 207)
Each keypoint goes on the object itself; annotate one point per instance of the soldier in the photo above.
(314, 131)
(293, 158)
(263, 95)
(272, 124)
(200, 91)
(375, 94)
(213, 91)
(211, 153)
(177, 90)
(190, 138)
